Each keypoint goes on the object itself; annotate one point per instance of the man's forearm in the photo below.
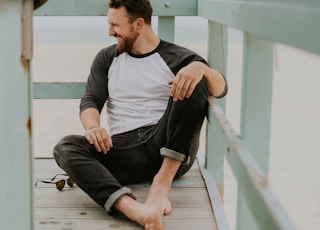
(90, 118)
(216, 82)
(95, 134)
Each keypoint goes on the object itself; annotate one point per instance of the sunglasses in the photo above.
(60, 183)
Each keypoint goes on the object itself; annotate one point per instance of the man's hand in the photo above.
(99, 137)
(186, 80)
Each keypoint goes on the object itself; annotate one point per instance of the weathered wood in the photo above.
(123, 224)
(254, 184)
(99, 8)
(291, 22)
(16, 204)
(58, 90)
(256, 112)
(217, 57)
(73, 209)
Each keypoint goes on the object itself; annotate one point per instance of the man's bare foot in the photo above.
(148, 216)
(159, 197)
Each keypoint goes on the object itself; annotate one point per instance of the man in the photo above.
(156, 96)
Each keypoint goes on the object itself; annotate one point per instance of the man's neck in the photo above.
(146, 43)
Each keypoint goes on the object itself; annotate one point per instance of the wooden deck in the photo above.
(73, 209)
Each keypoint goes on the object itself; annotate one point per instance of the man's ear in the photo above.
(139, 23)
(38, 3)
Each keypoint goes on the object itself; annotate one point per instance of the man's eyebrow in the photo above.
(113, 23)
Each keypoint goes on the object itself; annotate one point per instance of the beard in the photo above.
(125, 44)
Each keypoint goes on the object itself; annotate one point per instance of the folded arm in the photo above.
(188, 77)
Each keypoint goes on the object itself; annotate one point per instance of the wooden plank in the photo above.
(272, 20)
(215, 199)
(75, 197)
(99, 8)
(99, 213)
(73, 209)
(123, 224)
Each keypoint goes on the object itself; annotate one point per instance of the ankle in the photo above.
(160, 185)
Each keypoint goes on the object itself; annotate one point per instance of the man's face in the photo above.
(122, 29)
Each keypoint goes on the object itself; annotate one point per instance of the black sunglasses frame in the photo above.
(60, 183)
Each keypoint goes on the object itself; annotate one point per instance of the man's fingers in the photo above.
(181, 89)
(191, 88)
(105, 142)
(185, 90)
(177, 87)
(88, 137)
(186, 80)
(100, 139)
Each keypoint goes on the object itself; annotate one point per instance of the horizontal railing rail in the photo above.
(98, 8)
(291, 22)
(58, 90)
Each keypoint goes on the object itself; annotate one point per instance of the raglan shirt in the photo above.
(134, 87)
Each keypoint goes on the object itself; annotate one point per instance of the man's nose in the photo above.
(111, 31)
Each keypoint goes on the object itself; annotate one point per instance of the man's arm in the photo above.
(188, 77)
(96, 135)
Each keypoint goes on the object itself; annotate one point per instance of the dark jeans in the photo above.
(136, 155)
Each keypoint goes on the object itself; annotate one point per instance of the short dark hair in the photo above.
(135, 8)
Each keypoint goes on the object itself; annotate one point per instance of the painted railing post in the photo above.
(166, 28)
(16, 189)
(217, 58)
(255, 112)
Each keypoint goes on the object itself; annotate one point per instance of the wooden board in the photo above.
(73, 209)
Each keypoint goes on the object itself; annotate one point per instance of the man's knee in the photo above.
(201, 90)
(65, 147)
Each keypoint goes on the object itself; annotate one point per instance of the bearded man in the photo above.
(156, 95)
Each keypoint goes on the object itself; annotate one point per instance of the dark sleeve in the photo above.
(178, 57)
(96, 92)
(225, 91)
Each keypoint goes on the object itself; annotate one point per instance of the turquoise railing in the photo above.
(263, 23)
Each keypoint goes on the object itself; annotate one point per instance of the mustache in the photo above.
(117, 36)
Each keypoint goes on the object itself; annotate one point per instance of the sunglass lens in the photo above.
(70, 182)
(60, 184)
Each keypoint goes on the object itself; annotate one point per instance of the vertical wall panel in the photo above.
(256, 112)
(217, 57)
(16, 196)
(166, 27)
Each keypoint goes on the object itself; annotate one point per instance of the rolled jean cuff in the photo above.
(165, 152)
(115, 196)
